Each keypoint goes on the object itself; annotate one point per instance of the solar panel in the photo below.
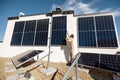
(89, 59)
(30, 26)
(106, 39)
(17, 33)
(110, 62)
(58, 37)
(104, 22)
(42, 32)
(24, 57)
(16, 39)
(29, 33)
(42, 25)
(59, 30)
(28, 38)
(86, 32)
(86, 24)
(98, 31)
(87, 38)
(19, 26)
(105, 29)
(102, 61)
(41, 38)
(28, 56)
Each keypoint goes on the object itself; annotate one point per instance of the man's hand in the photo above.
(67, 35)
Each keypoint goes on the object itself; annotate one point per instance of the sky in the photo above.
(9, 8)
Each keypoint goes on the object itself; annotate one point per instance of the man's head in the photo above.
(72, 35)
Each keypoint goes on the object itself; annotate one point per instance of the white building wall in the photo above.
(60, 53)
(1, 48)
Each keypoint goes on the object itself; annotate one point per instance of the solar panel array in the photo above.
(28, 33)
(98, 31)
(102, 61)
(35, 32)
(59, 30)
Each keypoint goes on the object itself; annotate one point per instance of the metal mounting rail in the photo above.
(71, 67)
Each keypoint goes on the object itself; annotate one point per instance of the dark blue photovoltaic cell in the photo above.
(42, 32)
(19, 26)
(28, 56)
(104, 23)
(16, 39)
(17, 33)
(28, 39)
(89, 59)
(58, 37)
(87, 38)
(59, 30)
(59, 23)
(86, 32)
(32, 54)
(109, 62)
(23, 59)
(86, 24)
(42, 25)
(30, 26)
(41, 38)
(106, 39)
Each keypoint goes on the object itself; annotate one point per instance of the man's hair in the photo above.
(72, 35)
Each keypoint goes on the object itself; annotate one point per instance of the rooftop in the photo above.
(57, 11)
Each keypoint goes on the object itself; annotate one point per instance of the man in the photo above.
(69, 40)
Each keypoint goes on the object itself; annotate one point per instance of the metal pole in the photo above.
(77, 70)
(49, 43)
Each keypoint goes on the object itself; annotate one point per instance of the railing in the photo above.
(71, 67)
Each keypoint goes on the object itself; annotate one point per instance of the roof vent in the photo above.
(58, 9)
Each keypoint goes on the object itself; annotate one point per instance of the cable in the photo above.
(53, 77)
